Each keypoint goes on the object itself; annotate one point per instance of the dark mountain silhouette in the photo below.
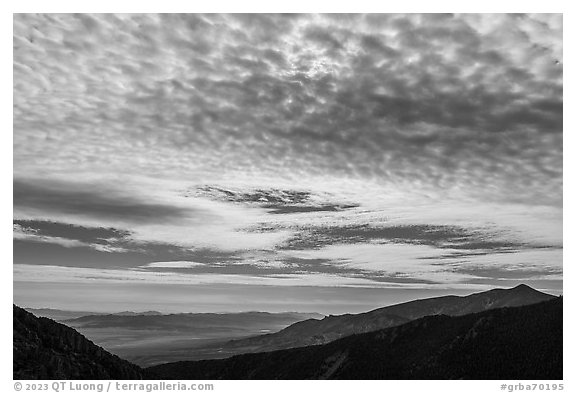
(45, 349)
(314, 332)
(506, 343)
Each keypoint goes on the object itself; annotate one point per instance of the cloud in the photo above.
(151, 210)
(443, 100)
(276, 201)
(264, 145)
(426, 264)
(91, 200)
(33, 248)
(174, 264)
(26, 234)
(66, 275)
(70, 231)
(438, 236)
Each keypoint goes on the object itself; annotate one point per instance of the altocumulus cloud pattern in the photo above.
(354, 151)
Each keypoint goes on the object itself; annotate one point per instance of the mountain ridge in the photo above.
(332, 327)
(472, 346)
(523, 342)
(46, 349)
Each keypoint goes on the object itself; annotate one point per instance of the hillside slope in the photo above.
(45, 349)
(508, 343)
(314, 332)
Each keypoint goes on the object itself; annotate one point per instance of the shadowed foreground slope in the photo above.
(509, 343)
(45, 349)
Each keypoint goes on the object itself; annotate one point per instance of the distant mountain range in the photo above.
(58, 315)
(263, 320)
(151, 338)
(440, 338)
(508, 343)
(61, 315)
(45, 349)
(314, 332)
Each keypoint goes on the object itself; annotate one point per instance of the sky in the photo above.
(331, 163)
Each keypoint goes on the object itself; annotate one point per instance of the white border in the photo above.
(552, 6)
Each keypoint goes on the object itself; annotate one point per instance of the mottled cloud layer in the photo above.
(384, 149)
(443, 100)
